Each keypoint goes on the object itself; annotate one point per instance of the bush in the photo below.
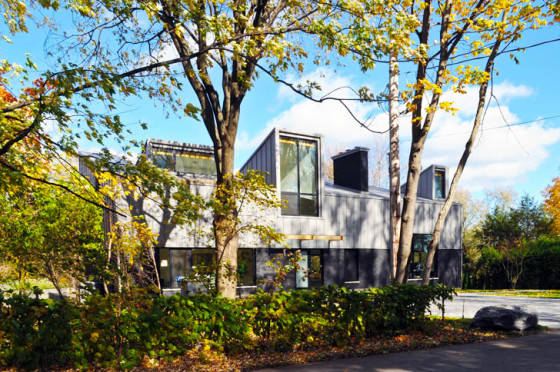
(336, 316)
(119, 330)
(34, 333)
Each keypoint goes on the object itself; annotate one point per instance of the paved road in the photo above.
(467, 304)
(524, 354)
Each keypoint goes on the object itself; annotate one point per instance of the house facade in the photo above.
(342, 228)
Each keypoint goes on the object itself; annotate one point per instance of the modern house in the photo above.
(341, 228)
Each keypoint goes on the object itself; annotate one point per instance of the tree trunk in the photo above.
(438, 228)
(420, 133)
(394, 160)
(225, 226)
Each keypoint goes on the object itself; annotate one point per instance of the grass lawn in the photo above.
(435, 334)
(544, 293)
(30, 283)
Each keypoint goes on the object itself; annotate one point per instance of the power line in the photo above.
(492, 128)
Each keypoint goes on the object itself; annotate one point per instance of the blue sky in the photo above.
(524, 155)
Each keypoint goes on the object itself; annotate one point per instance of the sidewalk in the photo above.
(523, 354)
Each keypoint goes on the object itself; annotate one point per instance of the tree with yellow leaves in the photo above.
(451, 35)
(552, 204)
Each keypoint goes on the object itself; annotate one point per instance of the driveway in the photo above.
(467, 304)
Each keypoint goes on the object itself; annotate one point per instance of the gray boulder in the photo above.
(505, 317)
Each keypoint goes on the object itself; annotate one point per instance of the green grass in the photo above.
(536, 293)
(30, 283)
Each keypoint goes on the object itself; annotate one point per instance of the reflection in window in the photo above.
(439, 180)
(246, 266)
(203, 258)
(163, 160)
(195, 163)
(186, 162)
(301, 273)
(418, 256)
(351, 265)
(299, 176)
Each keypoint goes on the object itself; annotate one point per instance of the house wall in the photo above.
(361, 218)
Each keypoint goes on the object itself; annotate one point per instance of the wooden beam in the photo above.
(315, 237)
(328, 237)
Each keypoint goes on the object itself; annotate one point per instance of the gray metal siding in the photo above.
(364, 223)
(264, 159)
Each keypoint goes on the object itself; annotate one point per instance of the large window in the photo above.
(245, 263)
(186, 162)
(299, 173)
(439, 182)
(351, 265)
(418, 256)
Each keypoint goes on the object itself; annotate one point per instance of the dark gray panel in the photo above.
(450, 267)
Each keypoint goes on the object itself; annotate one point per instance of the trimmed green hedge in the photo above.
(119, 330)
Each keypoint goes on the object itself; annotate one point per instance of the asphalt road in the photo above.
(533, 353)
(522, 354)
(467, 304)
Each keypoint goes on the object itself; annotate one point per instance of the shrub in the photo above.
(118, 330)
(34, 333)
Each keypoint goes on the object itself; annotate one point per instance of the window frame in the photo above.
(424, 238)
(443, 187)
(175, 155)
(299, 194)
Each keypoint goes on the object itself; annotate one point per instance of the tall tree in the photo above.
(220, 47)
(486, 28)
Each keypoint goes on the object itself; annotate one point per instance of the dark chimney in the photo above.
(351, 168)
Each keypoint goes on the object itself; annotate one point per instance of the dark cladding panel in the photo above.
(449, 267)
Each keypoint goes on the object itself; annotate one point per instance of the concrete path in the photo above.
(529, 353)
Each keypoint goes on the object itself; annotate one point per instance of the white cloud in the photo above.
(500, 157)
(329, 118)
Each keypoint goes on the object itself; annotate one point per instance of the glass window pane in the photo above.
(165, 268)
(308, 205)
(308, 167)
(301, 273)
(439, 179)
(419, 255)
(245, 267)
(203, 257)
(196, 163)
(288, 165)
(163, 160)
(292, 204)
(179, 262)
(315, 273)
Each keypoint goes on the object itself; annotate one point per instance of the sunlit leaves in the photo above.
(552, 204)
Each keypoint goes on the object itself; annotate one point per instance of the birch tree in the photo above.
(464, 31)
